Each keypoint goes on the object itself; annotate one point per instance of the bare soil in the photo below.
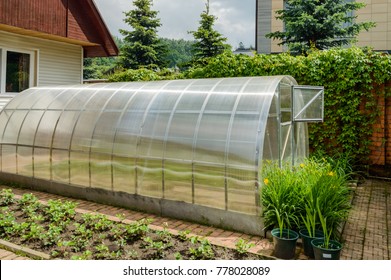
(56, 229)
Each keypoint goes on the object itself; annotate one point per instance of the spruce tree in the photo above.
(319, 24)
(208, 42)
(142, 46)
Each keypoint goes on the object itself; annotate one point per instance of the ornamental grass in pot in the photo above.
(293, 197)
(280, 201)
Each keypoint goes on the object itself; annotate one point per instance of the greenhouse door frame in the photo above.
(297, 110)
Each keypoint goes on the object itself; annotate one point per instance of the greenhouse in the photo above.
(190, 149)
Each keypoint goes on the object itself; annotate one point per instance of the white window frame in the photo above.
(3, 67)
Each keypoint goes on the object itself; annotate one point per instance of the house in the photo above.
(378, 11)
(43, 42)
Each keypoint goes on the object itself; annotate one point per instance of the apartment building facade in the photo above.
(378, 11)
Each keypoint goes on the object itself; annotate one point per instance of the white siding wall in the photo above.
(56, 63)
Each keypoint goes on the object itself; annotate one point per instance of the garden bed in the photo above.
(58, 230)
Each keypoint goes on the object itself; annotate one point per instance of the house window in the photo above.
(16, 71)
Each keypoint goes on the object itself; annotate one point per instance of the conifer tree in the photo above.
(208, 42)
(142, 46)
(319, 24)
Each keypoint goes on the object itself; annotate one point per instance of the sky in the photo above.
(235, 18)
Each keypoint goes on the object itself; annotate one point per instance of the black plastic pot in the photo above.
(306, 238)
(331, 253)
(284, 245)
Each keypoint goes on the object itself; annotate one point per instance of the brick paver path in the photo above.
(367, 231)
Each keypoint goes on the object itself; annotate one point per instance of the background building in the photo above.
(378, 11)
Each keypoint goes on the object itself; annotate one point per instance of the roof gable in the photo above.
(74, 21)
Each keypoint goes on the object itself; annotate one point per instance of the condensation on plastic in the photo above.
(197, 141)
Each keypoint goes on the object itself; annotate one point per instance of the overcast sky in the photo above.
(236, 18)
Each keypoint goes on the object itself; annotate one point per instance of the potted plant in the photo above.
(325, 248)
(310, 232)
(284, 239)
(281, 199)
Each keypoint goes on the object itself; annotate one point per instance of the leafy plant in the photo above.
(203, 252)
(98, 222)
(242, 246)
(137, 229)
(158, 246)
(60, 212)
(7, 197)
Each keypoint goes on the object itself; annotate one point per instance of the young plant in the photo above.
(158, 246)
(60, 212)
(242, 246)
(203, 252)
(6, 197)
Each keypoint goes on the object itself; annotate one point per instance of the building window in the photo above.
(16, 71)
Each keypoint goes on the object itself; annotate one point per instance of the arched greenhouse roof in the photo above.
(197, 141)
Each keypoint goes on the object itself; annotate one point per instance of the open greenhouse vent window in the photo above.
(307, 104)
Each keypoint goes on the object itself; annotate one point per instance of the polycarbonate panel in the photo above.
(104, 132)
(126, 135)
(44, 102)
(32, 97)
(44, 133)
(308, 103)
(178, 181)
(64, 129)
(197, 141)
(180, 136)
(8, 158)
(100, 170)
(82, 134)
(210, 147)
(286, 143)
(149, 177)
(152, 136)
(29, 128)
(11, 130)
(209, 186)
(61, 101)
(22, 97)
(4, 117)
(79, 168)
(270, 146)
(241, 192)
(124, 174)
(60, 166)
(41, 167)
(24, 161)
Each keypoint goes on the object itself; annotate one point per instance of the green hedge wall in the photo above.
(352, 79)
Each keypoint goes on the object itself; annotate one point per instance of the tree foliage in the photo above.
(209, 42)
(179, 52)
(353, 78)
(100, 67)
(319, 24)
(142, 47)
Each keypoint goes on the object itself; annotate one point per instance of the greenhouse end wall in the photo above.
(189, 149)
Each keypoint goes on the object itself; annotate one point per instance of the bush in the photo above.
(131, 75)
